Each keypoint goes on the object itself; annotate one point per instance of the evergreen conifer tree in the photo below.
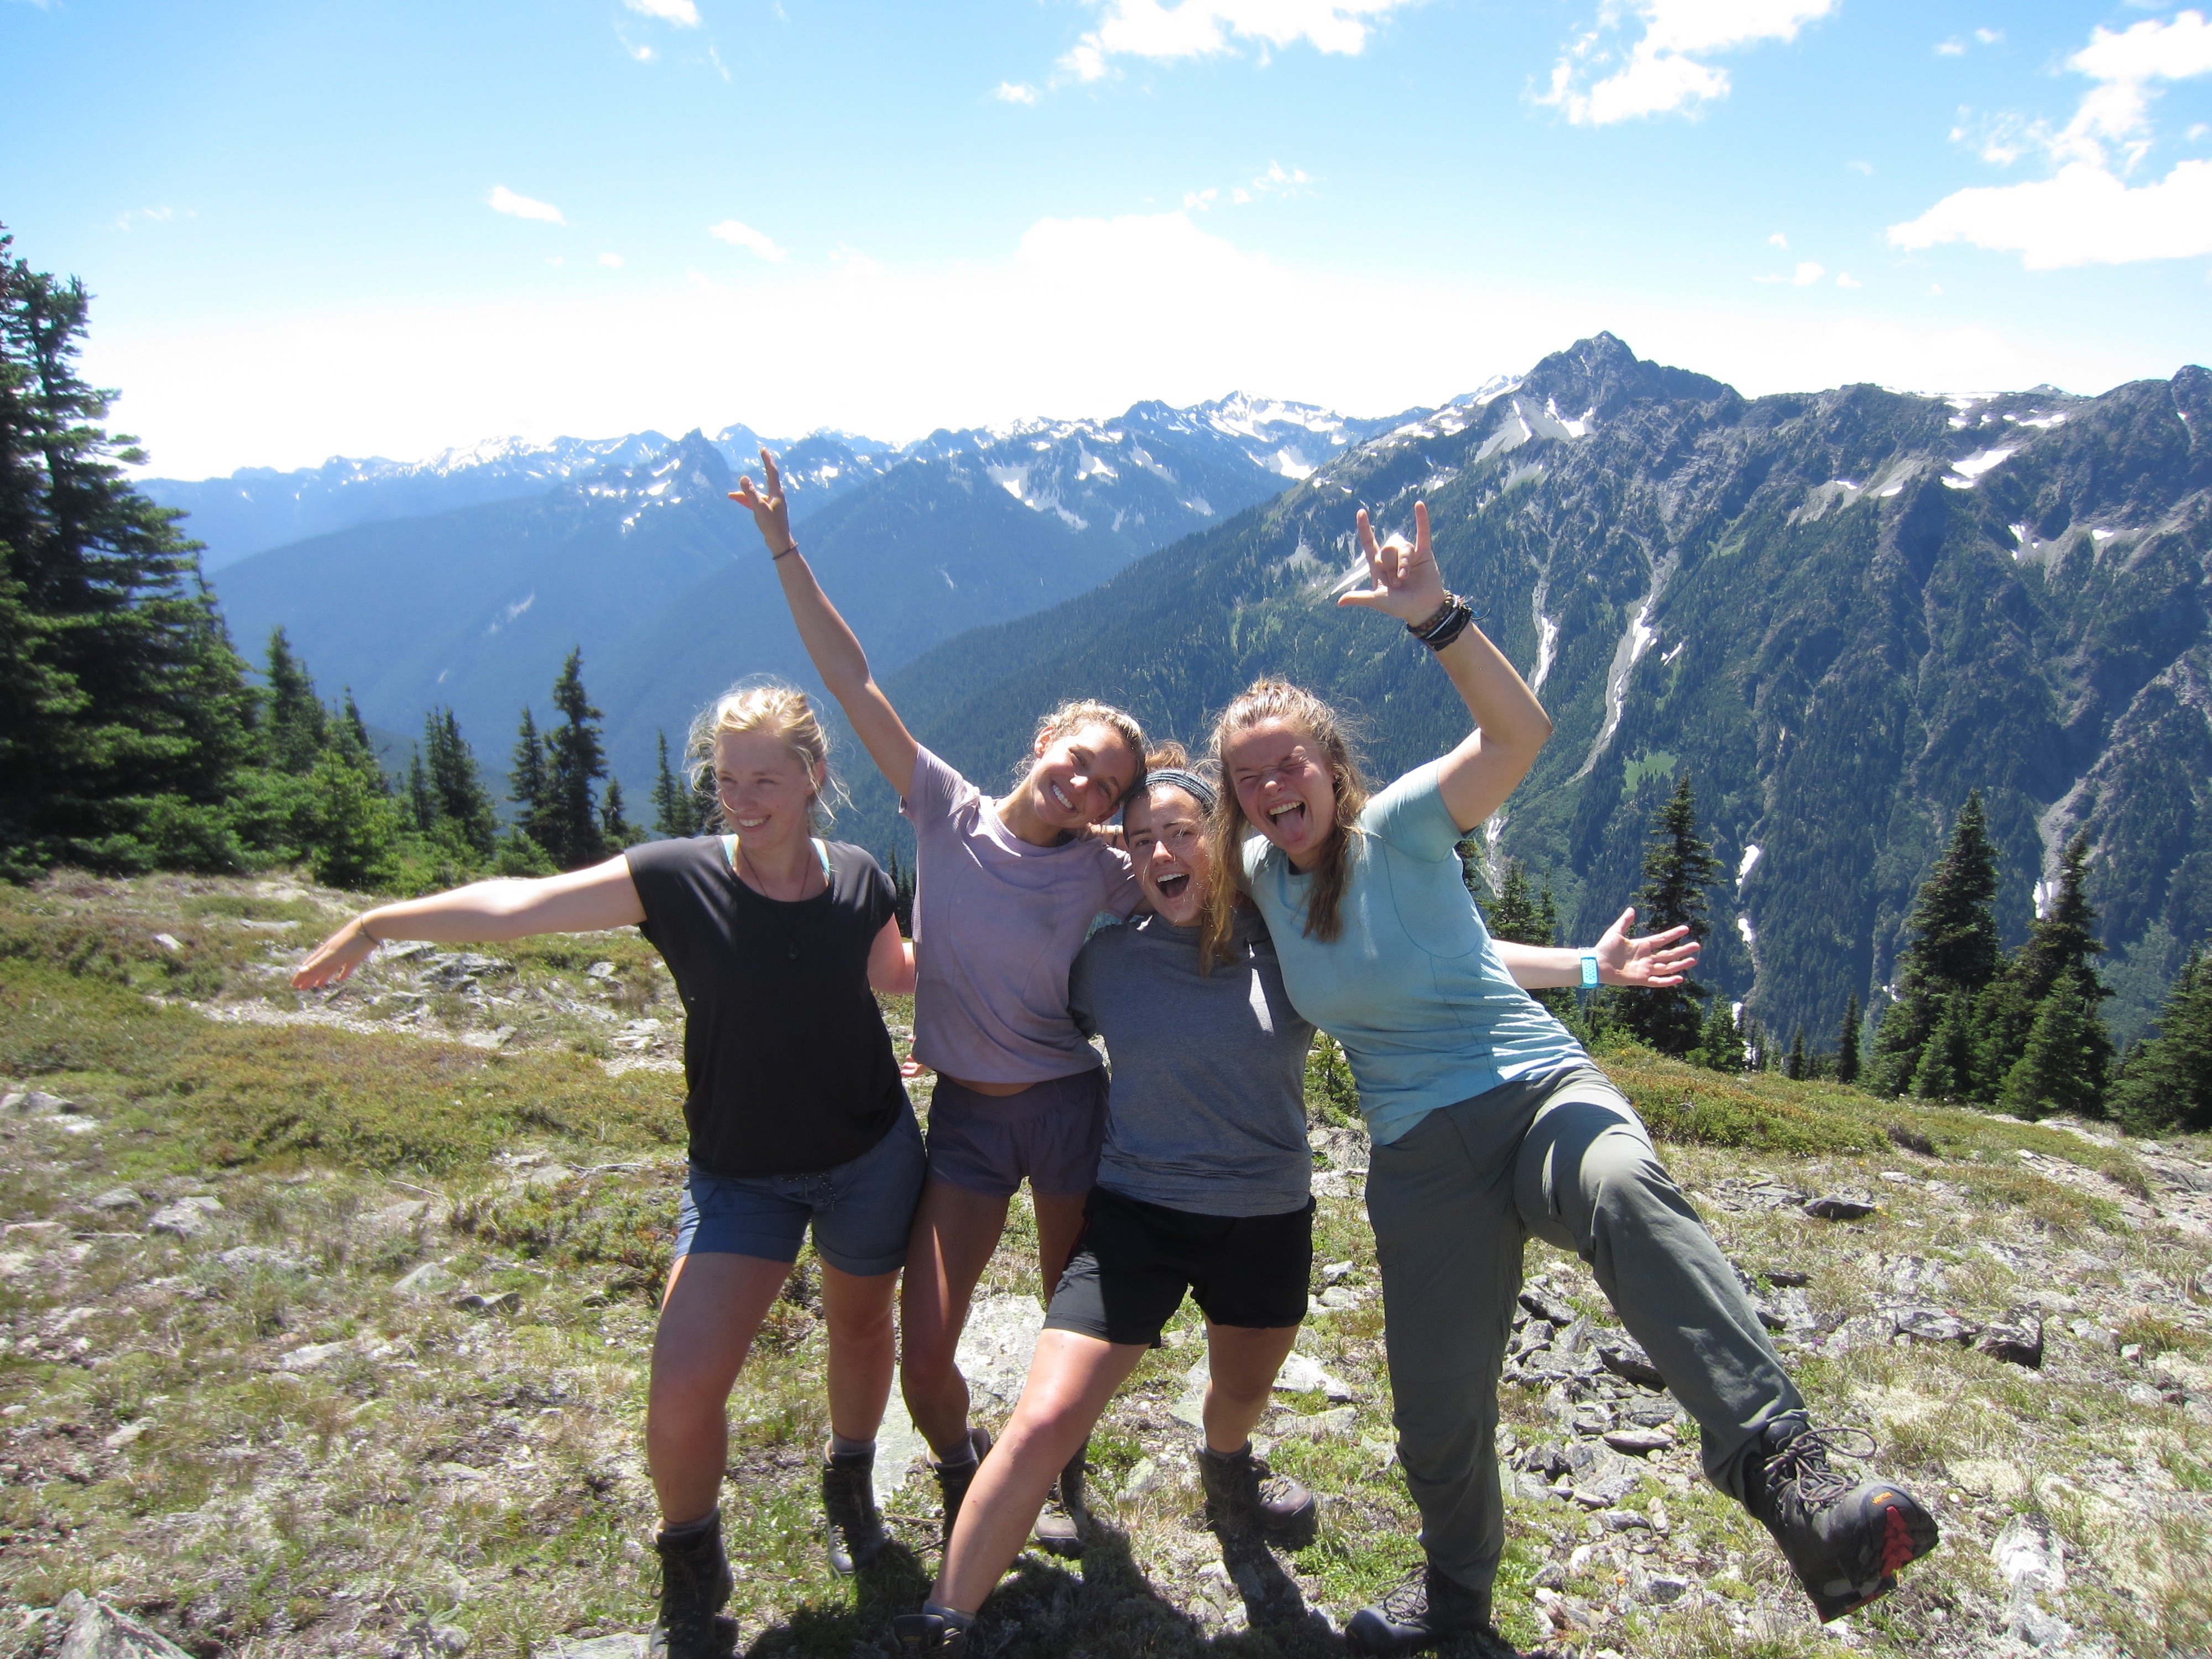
(294, 725)
(127, 713)
(1847, 1042)
(1521, 915)
(1720, 1042)
(457, 785)
(1795, 1067)
(575, 761)
(1678, 866)
(616, 831)
(421, 805)
(1951, 956)
(902, 893)
(2062, 1068)
(353, 824)
(2166, 1085)
(2054, 971)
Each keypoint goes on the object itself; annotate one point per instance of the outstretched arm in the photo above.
(579, 901)
(1649, 963)
(1509, 725)
(835, 649)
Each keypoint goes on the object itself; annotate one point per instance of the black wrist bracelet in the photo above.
(785, 554)
(1436, 618)
(1452, 628)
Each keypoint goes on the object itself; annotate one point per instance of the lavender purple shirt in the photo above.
(997, 923)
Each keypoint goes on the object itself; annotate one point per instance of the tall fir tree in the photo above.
(294, 725)
(1951, 956)
(456, 782)
(575, 761)
(1678, 866)
(2166, 1087)
(673, 815)
(355, 824)
(1525, 916)
(1797, 1067)
(1847, 1041)
(526, 786)
(2054, 973)
(617, 831)
(2062, 1067)
(421, 806)
(127, 713)
(1720, 1044)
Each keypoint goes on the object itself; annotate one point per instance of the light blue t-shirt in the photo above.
(1412, 987)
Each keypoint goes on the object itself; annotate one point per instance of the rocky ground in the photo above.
(324, 1323)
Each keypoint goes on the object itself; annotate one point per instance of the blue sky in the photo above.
(390, 228)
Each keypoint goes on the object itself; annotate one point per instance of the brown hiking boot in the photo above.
(1846, 1539)
(1243, 1495)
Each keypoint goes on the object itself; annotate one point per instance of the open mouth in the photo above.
(751, 823)
(1170, 886)
(1289, 819)
(1059, 795)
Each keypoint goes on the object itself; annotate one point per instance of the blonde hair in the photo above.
(1083, 711)
(765, 705)
(1279, 700)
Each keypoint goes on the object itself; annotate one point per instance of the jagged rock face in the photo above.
(1840, 611)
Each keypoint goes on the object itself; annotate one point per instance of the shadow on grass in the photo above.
(1107, 1609)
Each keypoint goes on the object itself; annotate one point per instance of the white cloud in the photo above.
(1015, 92)
(152, 215)
(640, 52)
(1600, 80)
(738, 234)
(851, 260)
(1844, 279)
(1808, 273)
(1201, 28)
(503, 200)
(611, 261)
(681, 13)
(1950, 48)
(1277, 180)
(1167, 309)
(2082, 216)
(1864, 169)
(1778, 241)
(2086, 212)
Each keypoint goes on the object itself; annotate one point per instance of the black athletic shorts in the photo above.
(1134, 1261)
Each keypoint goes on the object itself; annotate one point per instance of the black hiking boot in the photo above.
(953, 1482)
(694, 1583)
(929, 1633)
(1428, 1609)
(1845, 1540)
(857, 1533)
(1244, 1496)
(1057, 1531)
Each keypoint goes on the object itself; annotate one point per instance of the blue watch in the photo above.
(1589, 970)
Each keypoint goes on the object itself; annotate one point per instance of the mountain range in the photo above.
(630, 549)
(1840, 611)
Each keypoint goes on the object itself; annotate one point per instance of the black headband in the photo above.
(1199, 789)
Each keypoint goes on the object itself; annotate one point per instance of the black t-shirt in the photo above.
(788, 1064)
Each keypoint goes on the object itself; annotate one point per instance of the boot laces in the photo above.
(1409, 1602)
(845, 1494)
(1804, 1459)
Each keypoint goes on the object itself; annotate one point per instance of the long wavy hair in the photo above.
(773, 705)
(1279, 700)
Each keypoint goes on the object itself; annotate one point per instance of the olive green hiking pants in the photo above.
(1565, 1158)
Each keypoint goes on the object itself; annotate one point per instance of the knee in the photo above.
(1623, 1176)
(860, 1327)
(682, 1393)
(1045, 1425)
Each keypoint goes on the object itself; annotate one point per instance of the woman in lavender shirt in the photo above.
(1005, 891)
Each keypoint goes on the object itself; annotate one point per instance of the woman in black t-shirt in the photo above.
(795, 1109)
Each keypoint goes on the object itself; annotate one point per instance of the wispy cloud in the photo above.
(1808, 273)
(681, 13)
(1277, 180)
(152, 215)
(2086, 213)
(1161, 33)
(611, 261)
(503, 200)
(1602, 77)
(738, 234)
(1778, 241)
(1844, 279)
(1016, 92)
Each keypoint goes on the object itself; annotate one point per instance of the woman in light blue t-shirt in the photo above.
(1490, 1123)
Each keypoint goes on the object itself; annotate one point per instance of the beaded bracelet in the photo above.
(1452, 627)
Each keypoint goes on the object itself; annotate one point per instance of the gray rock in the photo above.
(1606, 1491)
(1639, 1442)
(185, 1218)
(627, 1646)
(313, 1355)
(996, 1347)
(1624, 1357)
(244, 1257)
(1840, 1206)
(2017, 1339)
(97, 1631)
(1542, 1304)
(1933, 1325)
(1790, 1277)
(1665, 1590)
(38, 1102)
(504, 1302)
(430, 1279)
(1301, 1374)
(118, 1198)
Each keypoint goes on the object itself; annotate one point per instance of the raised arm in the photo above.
(1649, 963)
(1509, 725)
(579, 901)
(832, 644)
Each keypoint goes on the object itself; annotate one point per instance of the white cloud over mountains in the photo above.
(1201, 28)
(681, 13)
(738, 234)
(2087, 212)
(503, 200)
(1603, 76)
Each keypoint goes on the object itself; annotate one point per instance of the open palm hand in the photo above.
(1652, 963)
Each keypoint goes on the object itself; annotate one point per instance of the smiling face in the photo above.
(765, 788)
(1080, 777)
(1281, 775)
(1166, 831)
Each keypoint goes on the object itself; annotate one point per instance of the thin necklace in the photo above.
(766, 890)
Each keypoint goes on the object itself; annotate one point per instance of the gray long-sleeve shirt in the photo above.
(1206, 1112)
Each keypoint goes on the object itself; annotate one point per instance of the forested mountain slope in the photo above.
(1840, 611)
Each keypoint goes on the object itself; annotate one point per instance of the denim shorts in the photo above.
(861, 1210)
(1051, 1132)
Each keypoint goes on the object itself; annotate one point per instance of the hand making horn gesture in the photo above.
(1405, 580)
(770, 511)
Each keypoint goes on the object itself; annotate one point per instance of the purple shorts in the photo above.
(1050, 1131)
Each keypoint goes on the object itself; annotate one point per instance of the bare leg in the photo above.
(1060, 1224)
(863, 1348)
(713, 1304)
(1069, 1381)
(1241, 1364)
(955, 1231)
